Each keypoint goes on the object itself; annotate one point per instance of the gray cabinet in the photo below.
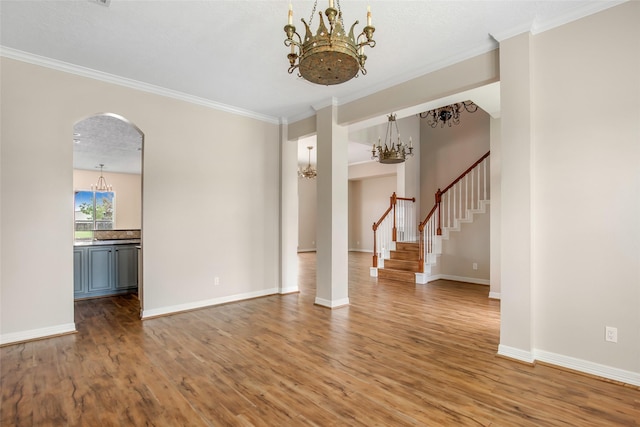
(79, 271)
(99, 268)
(103, 270)
(126, 267)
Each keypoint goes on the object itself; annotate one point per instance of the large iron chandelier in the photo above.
(448, 114)
(392, 152)
(101, 185)
(308, 172)
(331, 56)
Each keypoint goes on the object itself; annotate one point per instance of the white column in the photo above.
(333, 209)
(289, 213)
(516, 325)
(495, 217)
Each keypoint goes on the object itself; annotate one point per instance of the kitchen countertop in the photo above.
(106, 242)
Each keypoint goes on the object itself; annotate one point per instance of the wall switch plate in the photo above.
(216, 281)
(475, 265)
(611, 334)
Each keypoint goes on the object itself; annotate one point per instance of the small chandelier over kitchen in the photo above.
(392, 152)
(448, 114)
(331, 56)
(308, 172)
(101, 185)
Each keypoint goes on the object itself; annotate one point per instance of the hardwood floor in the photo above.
(399, 355)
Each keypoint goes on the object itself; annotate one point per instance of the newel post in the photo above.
(438, 200)
(393, 203)
(375, 249)
(421, 249)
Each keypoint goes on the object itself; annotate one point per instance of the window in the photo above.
(94, 210)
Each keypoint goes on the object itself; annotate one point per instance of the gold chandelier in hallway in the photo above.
(309, 172)
(392, 152)
(331, 56)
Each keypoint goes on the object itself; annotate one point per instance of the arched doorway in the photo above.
(107, 182)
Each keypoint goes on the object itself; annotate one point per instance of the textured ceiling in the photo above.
(231, 53)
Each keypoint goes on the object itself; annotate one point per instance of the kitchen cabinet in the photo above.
(101, 270)
(79, 271)
(126, 267)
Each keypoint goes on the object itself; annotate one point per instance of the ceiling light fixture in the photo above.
(101, 185)
(448, 114)
(391, 152)
(331, 56)
(308, 172)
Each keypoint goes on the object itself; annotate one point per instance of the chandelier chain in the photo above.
(340, 13)
(313, 12)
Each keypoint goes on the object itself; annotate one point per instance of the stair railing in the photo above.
(397, 223)
(452, 204)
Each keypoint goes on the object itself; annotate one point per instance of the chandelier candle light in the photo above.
(101, 185)
(331, 56)
(391, 152)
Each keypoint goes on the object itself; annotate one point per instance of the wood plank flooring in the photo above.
(399, 355)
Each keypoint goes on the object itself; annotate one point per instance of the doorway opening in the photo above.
(107, 183)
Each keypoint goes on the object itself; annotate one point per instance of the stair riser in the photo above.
(405, 246)
(414, 256)
(402, 276)
(406, 265)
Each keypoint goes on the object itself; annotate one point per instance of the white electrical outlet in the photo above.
(475, 265)
(611, 334)
(216, 281)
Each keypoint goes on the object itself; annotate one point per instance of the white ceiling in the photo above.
(231, 53)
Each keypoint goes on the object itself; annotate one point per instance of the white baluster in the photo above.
(448, 209)
(485, 179)
(472, 186)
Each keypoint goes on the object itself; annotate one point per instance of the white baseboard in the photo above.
(494, 295)
(572, 363)
(307, 250)
(332, 304)
(369, 251)
(289, 290)
(34, 334)
(173, 309)
(515, 353)
(588, 367)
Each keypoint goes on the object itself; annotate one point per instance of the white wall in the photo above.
(204, 216)
(465, 248)
(307, 208)
(586, 188)
(368, 200)
(571, 194)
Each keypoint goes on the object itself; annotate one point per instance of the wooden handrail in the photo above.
(462, 175)
(384, 215)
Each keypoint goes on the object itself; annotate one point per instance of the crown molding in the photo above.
(132, 84)
(330, 102)
(538, 26)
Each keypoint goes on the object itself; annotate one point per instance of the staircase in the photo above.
(403, 264)
(413, 261)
